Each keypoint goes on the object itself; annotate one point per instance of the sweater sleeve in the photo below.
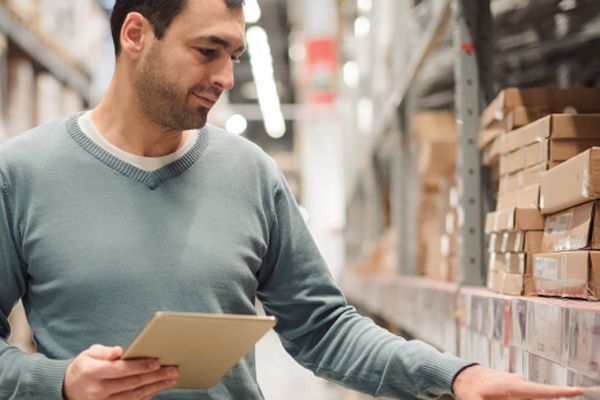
(22, 376)
(326, 335)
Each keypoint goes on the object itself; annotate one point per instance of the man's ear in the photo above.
(135, 34)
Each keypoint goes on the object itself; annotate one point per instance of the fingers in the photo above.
(100, 352)
(138, 381)
(524, 389)
(125, 368)
(144, 392)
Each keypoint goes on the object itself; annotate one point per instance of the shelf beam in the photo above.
(468, 105)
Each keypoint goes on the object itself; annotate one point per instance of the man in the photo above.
(111, 215)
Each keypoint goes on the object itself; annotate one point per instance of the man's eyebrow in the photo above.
(222, 42)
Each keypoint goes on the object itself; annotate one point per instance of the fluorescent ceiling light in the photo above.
(261, 61)
(351, 74)
(362, 26)
(365, 5)
(252, 11)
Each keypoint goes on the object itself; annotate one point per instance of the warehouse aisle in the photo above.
(281, 378)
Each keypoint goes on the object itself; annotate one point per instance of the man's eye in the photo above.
(209, 53)
(236, 60)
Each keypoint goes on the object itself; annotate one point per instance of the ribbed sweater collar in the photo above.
(151, 179)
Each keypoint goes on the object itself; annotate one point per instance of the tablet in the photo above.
(204, 346)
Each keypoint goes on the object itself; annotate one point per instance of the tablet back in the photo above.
(204, 346)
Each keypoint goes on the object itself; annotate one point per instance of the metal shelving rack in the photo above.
(495, 43)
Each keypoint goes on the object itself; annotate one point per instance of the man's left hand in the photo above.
(480, 383)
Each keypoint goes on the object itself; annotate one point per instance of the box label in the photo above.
(545, 268)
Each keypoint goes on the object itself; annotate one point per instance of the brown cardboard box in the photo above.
(514, 219)
(512, 263)
(522, 241)
(434, 125)
(546, 151)
(576, 228)
(544, 334)
(554, 99)
(525, 177)
(582, 344)
(487, 136)
(565, 274)
(513, 284)
(505, 283)
(490, 154)
(495, 280)
(436, 161)
(526, 197)
(555, 126)
(495, 242)
(571, 183)
(521, 116)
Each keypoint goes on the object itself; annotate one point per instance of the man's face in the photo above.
(181, 76)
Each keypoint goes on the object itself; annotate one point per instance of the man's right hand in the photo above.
(98, 373)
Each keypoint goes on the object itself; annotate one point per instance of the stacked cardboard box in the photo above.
(438, 199)
(531, 141)
(515, 234)
(570, 263)
(517, 107)
(546, 340)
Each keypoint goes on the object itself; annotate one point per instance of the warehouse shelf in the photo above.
(547, 340)
(421, 307)
(432, 35)
(39, 51)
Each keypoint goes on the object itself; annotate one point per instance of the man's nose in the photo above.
(223, 76)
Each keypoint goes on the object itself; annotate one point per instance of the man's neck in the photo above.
(121, 122)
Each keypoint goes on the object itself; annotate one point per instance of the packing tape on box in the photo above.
(585, 190)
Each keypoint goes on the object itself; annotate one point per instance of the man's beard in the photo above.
(161, 102)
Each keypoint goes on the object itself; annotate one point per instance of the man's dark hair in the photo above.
(160, 13)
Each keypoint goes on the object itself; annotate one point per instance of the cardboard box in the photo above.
(495, 242)
(525, 197)
(571, 183)
(518, 323)
(555, 127)
(504, 282)
(546, 371)
(514, 219)
(490, 155)
(576, 228)
(573, 274)
(487, 136)
(547, 151)
(434, 125)
(514, 263)
(436, 161)
(524, 177)
(544, 330)
(550, 99)
(520, 116)
(522, 242)
(582, 344)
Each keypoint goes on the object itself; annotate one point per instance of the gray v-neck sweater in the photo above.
(95, 246)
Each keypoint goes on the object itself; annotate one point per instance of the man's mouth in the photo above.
(206, 101)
